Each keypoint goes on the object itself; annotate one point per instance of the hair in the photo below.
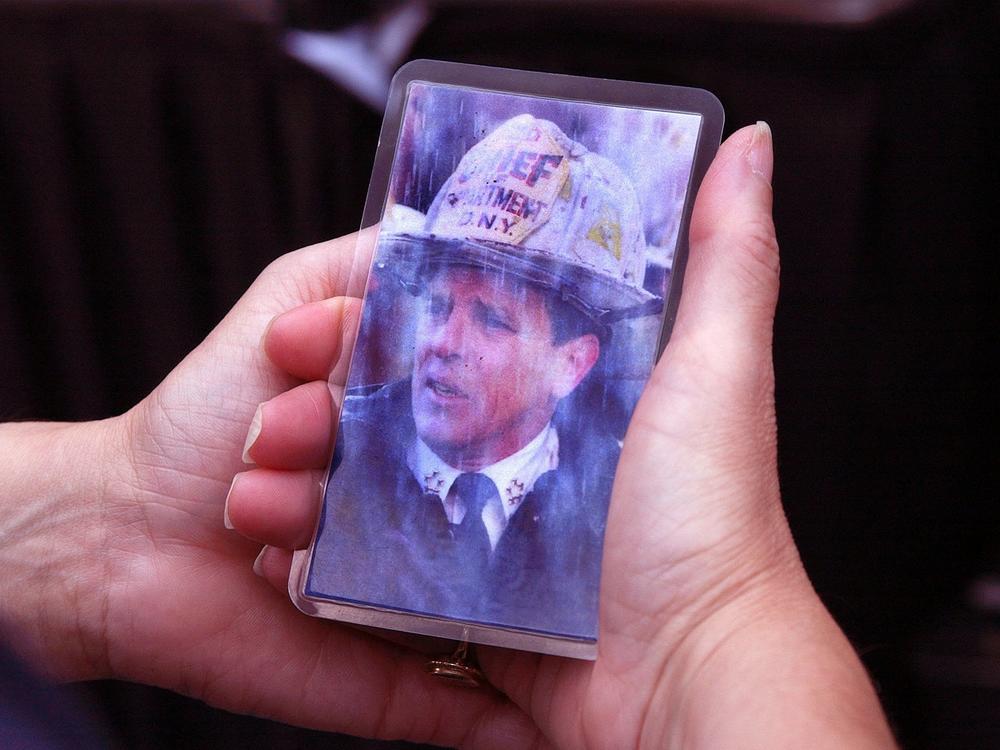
(570, 322)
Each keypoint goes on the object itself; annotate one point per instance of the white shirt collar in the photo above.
(514, 476)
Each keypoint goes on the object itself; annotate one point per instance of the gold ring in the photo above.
(459, 668)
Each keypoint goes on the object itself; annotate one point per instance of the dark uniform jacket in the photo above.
(384, 541)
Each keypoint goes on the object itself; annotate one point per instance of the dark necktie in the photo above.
(471, 540)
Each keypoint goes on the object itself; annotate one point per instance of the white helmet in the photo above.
(529, 201)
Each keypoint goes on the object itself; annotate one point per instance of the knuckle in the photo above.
(757, 248)
(279, 267)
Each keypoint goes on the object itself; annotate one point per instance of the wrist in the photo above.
(769, 669)
(55, 482)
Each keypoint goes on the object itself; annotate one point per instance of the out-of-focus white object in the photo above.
(363, 57)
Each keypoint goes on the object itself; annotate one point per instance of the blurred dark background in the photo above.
(155, 155)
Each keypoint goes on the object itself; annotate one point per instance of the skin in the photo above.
(117, 563)
(470, 405)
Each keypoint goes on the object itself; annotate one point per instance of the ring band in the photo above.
(459, 668)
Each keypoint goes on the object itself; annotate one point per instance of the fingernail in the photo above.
(258, 563)
(253, 433)
(225, 511)
(761, 152)
(267, 333)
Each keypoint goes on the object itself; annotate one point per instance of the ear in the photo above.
(574, 360)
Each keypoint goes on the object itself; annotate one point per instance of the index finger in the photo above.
(315, 341)
(333, 268)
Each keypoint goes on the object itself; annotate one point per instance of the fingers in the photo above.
(315, 341)
(274, 507)
(731, 281)
(336, 678)
(274, 565)
(289, 439)
(290, 435)
(293, 429)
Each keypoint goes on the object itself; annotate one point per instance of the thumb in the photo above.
(713, 390)
(697, 486)
(731, 282)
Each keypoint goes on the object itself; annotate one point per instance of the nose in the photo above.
(446, 335)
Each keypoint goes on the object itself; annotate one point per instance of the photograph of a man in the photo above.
(476, 486)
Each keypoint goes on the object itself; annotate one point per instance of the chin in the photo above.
(440, 433)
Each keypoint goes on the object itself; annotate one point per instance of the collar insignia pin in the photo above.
(515, 491)
(433, 481)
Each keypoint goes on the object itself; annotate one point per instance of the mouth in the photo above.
(442, 389)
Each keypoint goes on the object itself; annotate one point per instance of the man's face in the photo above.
(486, 375)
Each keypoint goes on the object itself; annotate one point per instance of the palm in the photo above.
(189, 589)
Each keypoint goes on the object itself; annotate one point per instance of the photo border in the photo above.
(609, 92)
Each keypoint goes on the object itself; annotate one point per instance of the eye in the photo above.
(495, 320)
(438, 307)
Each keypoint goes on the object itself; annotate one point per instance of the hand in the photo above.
(710, 633)
(117, 563)
(707, 620)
